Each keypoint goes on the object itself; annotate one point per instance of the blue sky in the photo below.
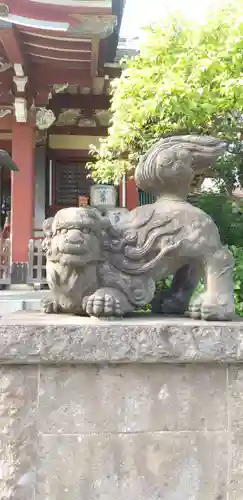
(141, 12)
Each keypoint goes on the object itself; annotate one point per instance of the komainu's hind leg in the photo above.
(217, 302)
(175, 300)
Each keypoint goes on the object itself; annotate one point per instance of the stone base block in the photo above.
(134, 409)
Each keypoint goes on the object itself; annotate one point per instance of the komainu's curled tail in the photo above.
(171, 164)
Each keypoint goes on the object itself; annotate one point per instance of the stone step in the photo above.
(11, 302)
(15, 305)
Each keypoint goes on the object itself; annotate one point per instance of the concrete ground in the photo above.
(21, 300)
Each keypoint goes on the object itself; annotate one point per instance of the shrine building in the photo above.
(57, 59)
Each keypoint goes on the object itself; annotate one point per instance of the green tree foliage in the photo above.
(187, 79)
(238, 278)
(227, 215)
(228, 171)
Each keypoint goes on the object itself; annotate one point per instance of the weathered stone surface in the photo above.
(236, 397)
(35, 338)
(132, 398)
(236, 465)
(129, 409)
(235, 394)
(155, 466)
(18, 396)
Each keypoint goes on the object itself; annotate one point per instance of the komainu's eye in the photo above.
(86, 230)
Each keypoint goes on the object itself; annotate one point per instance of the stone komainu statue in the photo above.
(98, 269)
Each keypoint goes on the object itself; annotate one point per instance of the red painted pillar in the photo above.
(22, 198)
(132, 194)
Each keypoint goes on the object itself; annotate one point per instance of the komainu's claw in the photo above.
(102, 303)
(49, 306)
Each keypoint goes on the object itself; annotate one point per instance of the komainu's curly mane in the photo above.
(171, 163)
(166, 169)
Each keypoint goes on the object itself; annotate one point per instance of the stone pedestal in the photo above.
(142, 408)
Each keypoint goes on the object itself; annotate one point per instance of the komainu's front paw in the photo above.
(207, 306)
(102, 303)
(49, 306)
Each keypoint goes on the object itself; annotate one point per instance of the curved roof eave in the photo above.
(35, 23)
(75, 3)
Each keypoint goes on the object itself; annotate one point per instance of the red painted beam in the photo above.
(7, 146)
(6, 79)
(69, 130)
(42, 97)
(6, 99)
(42, 76)
(22, 191)
(52, 34)
(68, 154)
(58, 64)
(12, 46)
(132, 195)
(55, 43)
(58, 56)
(80, 101)
(6, 123)
(58, 13)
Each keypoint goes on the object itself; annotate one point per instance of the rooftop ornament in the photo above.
(44, 118)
